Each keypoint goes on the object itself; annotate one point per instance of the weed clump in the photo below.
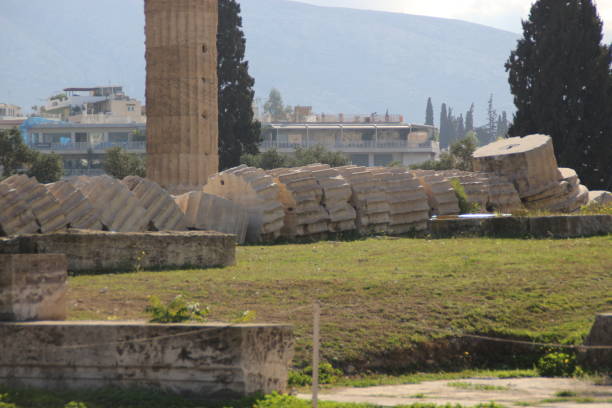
(177, 311)
(557, 365)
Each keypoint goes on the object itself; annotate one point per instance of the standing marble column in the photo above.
(182, 105)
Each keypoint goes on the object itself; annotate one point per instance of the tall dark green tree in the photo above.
(469, 119)
(491, 121)
(239, 132)
(560, 77)
(444, 140)
(429, 113)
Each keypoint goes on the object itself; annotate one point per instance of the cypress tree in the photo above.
(491, 121)
(469, 119)
(239, 133)
(559, 75)
(429, 113)
(443, 127)
(460, 128)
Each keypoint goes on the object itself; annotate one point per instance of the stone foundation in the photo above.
(518, 227)
(32, 287)
(211, 360)
(93, 251)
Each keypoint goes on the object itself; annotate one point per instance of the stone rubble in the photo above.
(336, 196)
(162, 210)
(80, 213)
(47, 210)
(16, 217)
(301, 197)
(120, 210)
(256, 191)
(369, 200)
(212, 213)
(440, 193)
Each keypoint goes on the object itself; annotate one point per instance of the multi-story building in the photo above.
(83, 146)
(367, 140)
(11, 116)
(105, 104)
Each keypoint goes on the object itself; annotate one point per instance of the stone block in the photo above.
(214, 361)
(46, 209)
(160, 207)
(16, 216)
(600, 198)
(212, 213)
(256, 191)
(92, 251)
(80, 213)
(32, 287)
(529, 163)
(599, 359)
(120, 210)
(440, 193)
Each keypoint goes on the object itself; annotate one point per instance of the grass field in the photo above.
(382, 297)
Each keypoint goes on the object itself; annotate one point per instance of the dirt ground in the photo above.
(524, 392)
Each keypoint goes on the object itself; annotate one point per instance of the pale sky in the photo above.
(503, 14)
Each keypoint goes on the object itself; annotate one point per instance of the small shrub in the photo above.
(245, 317)
(4, 404)
(177, 311)
(327, 375)
(557, 365)
(74, 404)
(465, 207)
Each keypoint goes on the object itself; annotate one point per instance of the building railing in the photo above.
(83, 172)
(396, 144)
(86, 146)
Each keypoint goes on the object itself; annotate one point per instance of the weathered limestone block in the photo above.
(474, 184)
(255, 191)
(301, 197)
(568, 195)
(15, 214)
(600, 198)
(32, 287)
(93, 251)
(212, 213)
(601, 335)
(213, 361)
(368, 198)
(161, 208)
(182, 105)
(408, 206)
(503, 196)
(120, 209)
(80, 213)
(48, 212)
(527, 162)
(336, 196)
(440, 193)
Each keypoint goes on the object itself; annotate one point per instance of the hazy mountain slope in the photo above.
(364, 61)
(338, 60)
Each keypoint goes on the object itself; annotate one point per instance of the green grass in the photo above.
(113, 398)
(476, 387)
(417, 378)
(386, 301)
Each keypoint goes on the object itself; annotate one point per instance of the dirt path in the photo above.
(525, 392)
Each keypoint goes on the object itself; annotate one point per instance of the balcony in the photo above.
(395, 146)
(83, 172)
(85, 147)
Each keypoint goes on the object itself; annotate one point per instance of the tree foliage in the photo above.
(272, 159)
(275, 107)
(14, 154)
(561, 80)
(47, 168)
(239, 132)
(120, 164)
(429, 113)
(16, 157)
(458, 157)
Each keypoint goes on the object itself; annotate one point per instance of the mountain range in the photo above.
(334, 59)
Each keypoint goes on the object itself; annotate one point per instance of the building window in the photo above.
(80, 137)
(118, 137)
(360, 159)
(131, 108)
(382, 159)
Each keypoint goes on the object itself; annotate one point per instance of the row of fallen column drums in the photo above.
(254, 204)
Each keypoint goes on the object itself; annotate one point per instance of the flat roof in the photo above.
(318, 125)
(86, 125)
(90, 89)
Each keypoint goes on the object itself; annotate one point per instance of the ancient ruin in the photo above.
(181, 92)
